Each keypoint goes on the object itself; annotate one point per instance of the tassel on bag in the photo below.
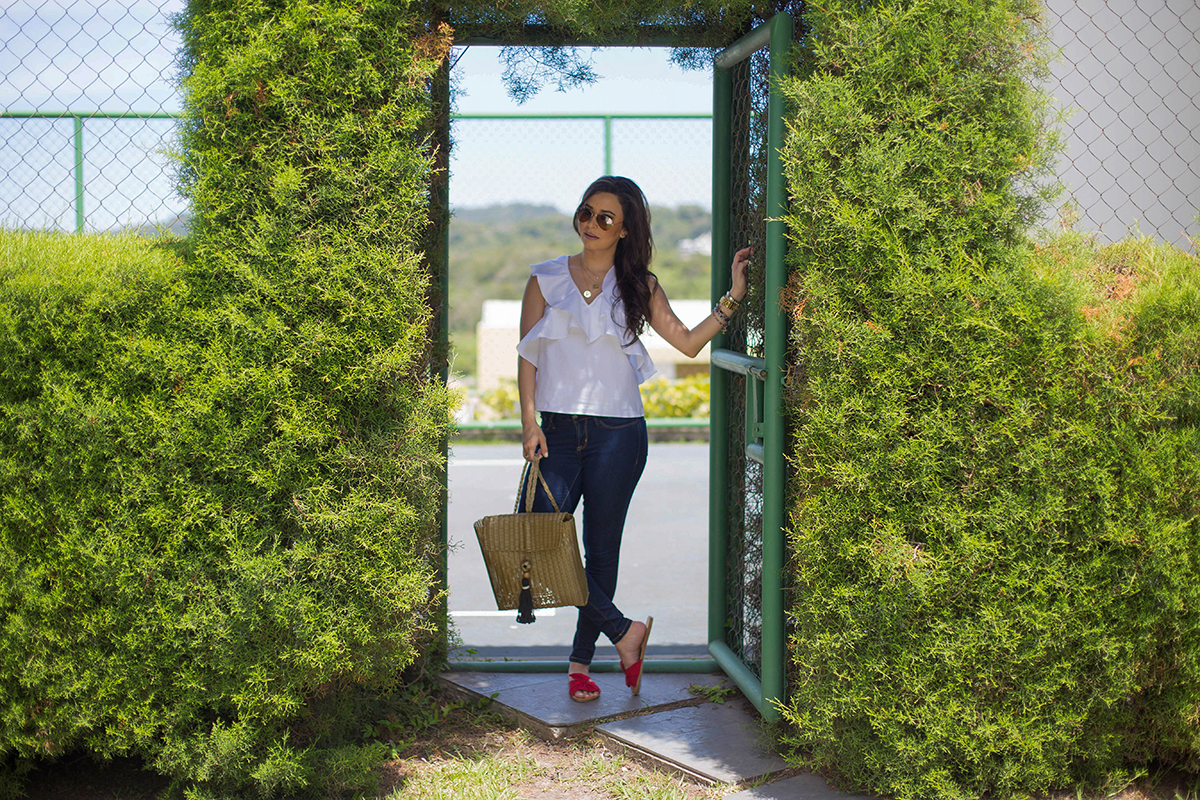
(525, 603)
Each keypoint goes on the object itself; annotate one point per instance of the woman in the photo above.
(580, 366)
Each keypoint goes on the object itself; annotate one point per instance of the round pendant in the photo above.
(587, 294)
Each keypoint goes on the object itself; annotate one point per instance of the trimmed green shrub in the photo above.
(994, 503)
(662, 398)
(683, 397)
(220, 459)
(501, 402)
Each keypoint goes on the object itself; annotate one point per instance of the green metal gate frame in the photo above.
(766, 429)
(764, 379)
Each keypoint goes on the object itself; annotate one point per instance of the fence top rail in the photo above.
(740, 50)
(89, 114)
(578, 115)
(175, 115)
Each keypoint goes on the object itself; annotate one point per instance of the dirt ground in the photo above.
(565, 770)
(580, 769)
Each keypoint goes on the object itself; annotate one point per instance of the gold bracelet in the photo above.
(728, 304)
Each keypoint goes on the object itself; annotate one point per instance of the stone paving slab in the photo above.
(539, 701)
(714, 742)
(800, 787)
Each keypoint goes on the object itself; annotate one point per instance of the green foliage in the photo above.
(503, 401)
(994, 504)
(713, 694)
(539, 30)
(684, 397)
(219, 459)
(526, 69)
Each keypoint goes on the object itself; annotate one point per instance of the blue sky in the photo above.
(111, 55)
(551, 162)
(632, 81)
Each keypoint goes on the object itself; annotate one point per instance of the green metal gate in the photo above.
(746, 473)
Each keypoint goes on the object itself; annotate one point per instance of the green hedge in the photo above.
(219, 458)
(994, 460)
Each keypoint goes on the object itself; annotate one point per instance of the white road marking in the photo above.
(540, 612)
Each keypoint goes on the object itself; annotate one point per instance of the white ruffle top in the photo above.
(582, 367)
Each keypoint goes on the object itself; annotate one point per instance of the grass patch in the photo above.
(490, 776)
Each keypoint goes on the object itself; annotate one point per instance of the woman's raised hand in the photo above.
(738, 272)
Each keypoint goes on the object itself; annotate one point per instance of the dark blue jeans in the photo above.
(598, 459)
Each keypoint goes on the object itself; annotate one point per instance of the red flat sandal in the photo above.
(582, 683)
(633, 673)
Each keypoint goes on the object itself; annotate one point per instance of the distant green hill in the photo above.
(511, 212)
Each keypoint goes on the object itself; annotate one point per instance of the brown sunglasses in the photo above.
(603, 219)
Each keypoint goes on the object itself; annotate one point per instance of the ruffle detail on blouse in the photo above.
(566, 309)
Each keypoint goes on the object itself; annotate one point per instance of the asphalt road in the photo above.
(664, 557)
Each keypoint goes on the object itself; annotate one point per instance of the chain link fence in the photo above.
(744, 486)
(89, 94)
(1130, 72)
(545, 159)
(88, 89)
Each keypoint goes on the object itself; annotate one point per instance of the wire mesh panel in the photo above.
(541, 160)
(748, 164)
(37, 177)
(1130, 72)
(551, 159)
(132, 176)
(88, 91)
(669, 157)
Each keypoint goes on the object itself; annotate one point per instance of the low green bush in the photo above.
(502, 401)
(673, 399)
(220, 459)
(662, 398)
(994, 505)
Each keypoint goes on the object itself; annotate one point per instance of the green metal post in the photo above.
(775, 345)
(78, 174)
(718, 439)
(608, 145)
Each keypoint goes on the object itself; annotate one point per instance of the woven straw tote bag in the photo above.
(533, 558)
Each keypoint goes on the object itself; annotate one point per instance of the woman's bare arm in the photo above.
(670, 327)
(533, 306)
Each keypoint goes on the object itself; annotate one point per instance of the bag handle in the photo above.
(531, 487)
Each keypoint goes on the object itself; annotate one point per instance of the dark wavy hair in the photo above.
(634, 251)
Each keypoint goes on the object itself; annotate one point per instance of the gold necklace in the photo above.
(587, 293)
